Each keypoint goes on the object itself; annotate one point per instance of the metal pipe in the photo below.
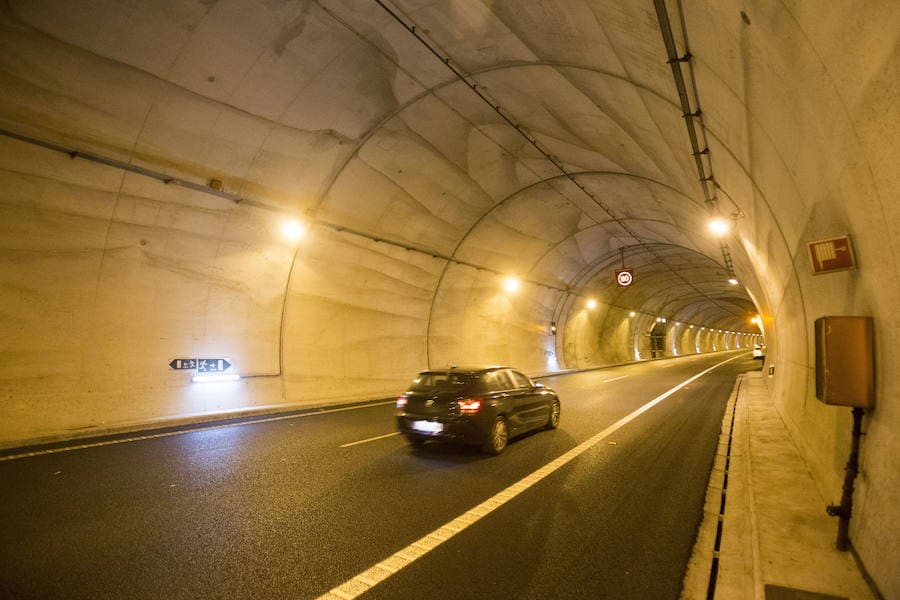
(845, 509)
(707, 181)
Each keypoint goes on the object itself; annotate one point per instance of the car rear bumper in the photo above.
(452, 428)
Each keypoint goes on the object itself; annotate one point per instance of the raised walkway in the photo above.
(775, 541)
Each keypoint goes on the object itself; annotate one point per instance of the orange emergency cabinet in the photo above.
(845, 361)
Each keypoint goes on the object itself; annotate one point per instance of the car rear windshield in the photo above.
(427, 382)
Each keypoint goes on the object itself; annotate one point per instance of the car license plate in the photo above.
(427, 426)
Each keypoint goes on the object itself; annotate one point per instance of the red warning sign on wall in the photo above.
(834, 254)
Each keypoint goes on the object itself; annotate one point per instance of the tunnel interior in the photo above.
(333, 196)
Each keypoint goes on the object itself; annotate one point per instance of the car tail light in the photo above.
(401, 401)
(470, 405)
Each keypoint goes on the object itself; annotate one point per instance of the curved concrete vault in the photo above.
(152, 151)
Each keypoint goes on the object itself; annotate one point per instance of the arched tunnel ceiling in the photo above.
(564, 144)
(150, 151)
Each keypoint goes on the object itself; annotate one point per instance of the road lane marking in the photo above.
(614, 379)
(363, 582)
(153, 436)
(371, 439)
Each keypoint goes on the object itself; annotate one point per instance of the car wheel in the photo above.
(496, 442)
(553, 421)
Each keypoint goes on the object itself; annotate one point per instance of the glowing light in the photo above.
(719, 226)
(591, 304)
(512, 284)
(632, 314)
(214, 378)
(733, 281)
(292, 230)
(470, 405)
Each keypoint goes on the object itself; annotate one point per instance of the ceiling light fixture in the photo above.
(292, 230)
(511, 284)
(719, 226)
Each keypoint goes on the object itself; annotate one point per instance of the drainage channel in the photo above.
(714, 568)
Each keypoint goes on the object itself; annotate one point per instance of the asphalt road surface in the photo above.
(296, 506)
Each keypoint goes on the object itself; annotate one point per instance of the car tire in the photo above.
(497, 437)
(553, 419)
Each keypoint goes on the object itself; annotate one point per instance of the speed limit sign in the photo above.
(624, 277)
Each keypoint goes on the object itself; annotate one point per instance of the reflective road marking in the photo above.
(372, 439)
(614, 379)
(191, 430)
(371, 577)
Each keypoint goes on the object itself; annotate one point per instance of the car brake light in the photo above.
(470, 405)
(401, 401)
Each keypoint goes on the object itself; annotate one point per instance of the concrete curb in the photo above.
(775, 533)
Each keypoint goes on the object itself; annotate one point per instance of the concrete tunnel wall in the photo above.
(106, 274)
(812, 94)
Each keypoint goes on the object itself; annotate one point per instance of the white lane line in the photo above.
(614, 379)
(371, 439)
(371, 577)
(191, 430)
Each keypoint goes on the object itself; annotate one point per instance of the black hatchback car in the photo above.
(477, 405)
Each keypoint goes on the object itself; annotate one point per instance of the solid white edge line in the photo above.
(371, 439)
(357, 585)
(614, 379)
(191, 430)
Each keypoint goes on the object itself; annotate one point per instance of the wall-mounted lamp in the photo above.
(591, 304)
(552, 327)
(719, 226)
(632, 314)
(733, 281)
(215, 378)
(511, 284)
(292, 230)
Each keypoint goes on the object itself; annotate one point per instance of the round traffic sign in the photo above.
(624, 277)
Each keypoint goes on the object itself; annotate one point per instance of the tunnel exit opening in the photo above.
(657, 337)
